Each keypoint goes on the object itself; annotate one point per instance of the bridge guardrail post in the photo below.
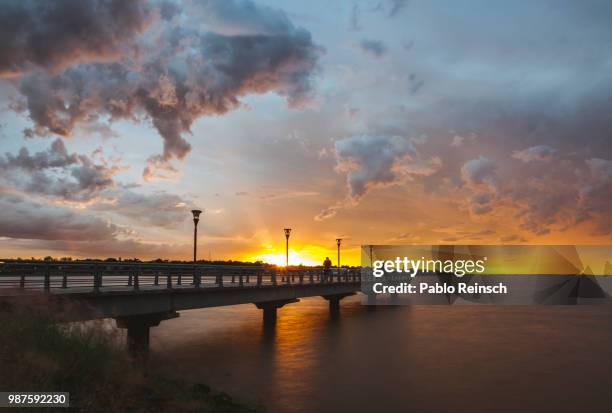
(179, 279)
(22, 281)
(220, 280)
(130, 278)
(197, 277)
(96, 281)
(310, 276)
(259, 275)
(287, 276)
(248, 277)
(240, 279)
(169, 281)
(47, 282)
(301, 277)
(137, 278)
(273, 276)
(65, 279)
(156, 279)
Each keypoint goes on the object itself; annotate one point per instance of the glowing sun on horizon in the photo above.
(279, 258)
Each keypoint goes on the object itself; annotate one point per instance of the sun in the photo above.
(279, 258)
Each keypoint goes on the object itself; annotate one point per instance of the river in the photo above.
(391, 359)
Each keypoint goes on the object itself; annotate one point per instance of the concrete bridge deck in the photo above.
(141, 295)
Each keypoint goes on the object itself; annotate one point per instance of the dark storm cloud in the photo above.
(56, 173)
(52, 34)
(185, 70)
(21, 218)
(373, 48)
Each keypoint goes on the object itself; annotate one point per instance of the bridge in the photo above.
(141, 295)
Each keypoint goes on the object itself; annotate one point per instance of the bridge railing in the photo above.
(93, 276)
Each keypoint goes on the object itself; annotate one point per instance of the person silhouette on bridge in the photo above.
(327, 269)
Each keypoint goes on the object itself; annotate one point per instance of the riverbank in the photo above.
(38, 354)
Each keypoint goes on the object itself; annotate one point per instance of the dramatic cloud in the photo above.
(480, 171)
(375, 162)
(157, 209)
(184, 70)
(56, 173)
(544, 197)
(21, 218)
(52, 34)
(535, 153)
(371, 161)
(373, 48)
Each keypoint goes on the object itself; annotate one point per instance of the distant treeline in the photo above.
(158, 260)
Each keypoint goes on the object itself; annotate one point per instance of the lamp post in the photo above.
(338, 242)
(287, 233)
(196, 218)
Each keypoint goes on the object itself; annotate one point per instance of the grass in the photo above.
(39, 354)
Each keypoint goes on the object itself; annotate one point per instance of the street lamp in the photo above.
(338, 242)
(287, 233)
(196, 218)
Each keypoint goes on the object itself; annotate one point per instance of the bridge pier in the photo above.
(269, 309)
(138, 329)
(334, 302)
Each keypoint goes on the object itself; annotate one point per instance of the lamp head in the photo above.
(196, 215)
(287, 232)
(338, 241)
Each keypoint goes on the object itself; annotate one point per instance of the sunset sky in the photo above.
(381, 122)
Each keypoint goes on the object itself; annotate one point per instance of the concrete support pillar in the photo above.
(138, 329)
(269, 310)
(334, 306)
(269, 315)
(334, 302)
(138, 339)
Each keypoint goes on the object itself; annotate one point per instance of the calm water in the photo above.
(417, 358)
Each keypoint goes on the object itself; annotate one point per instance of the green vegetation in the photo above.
(38, 354)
